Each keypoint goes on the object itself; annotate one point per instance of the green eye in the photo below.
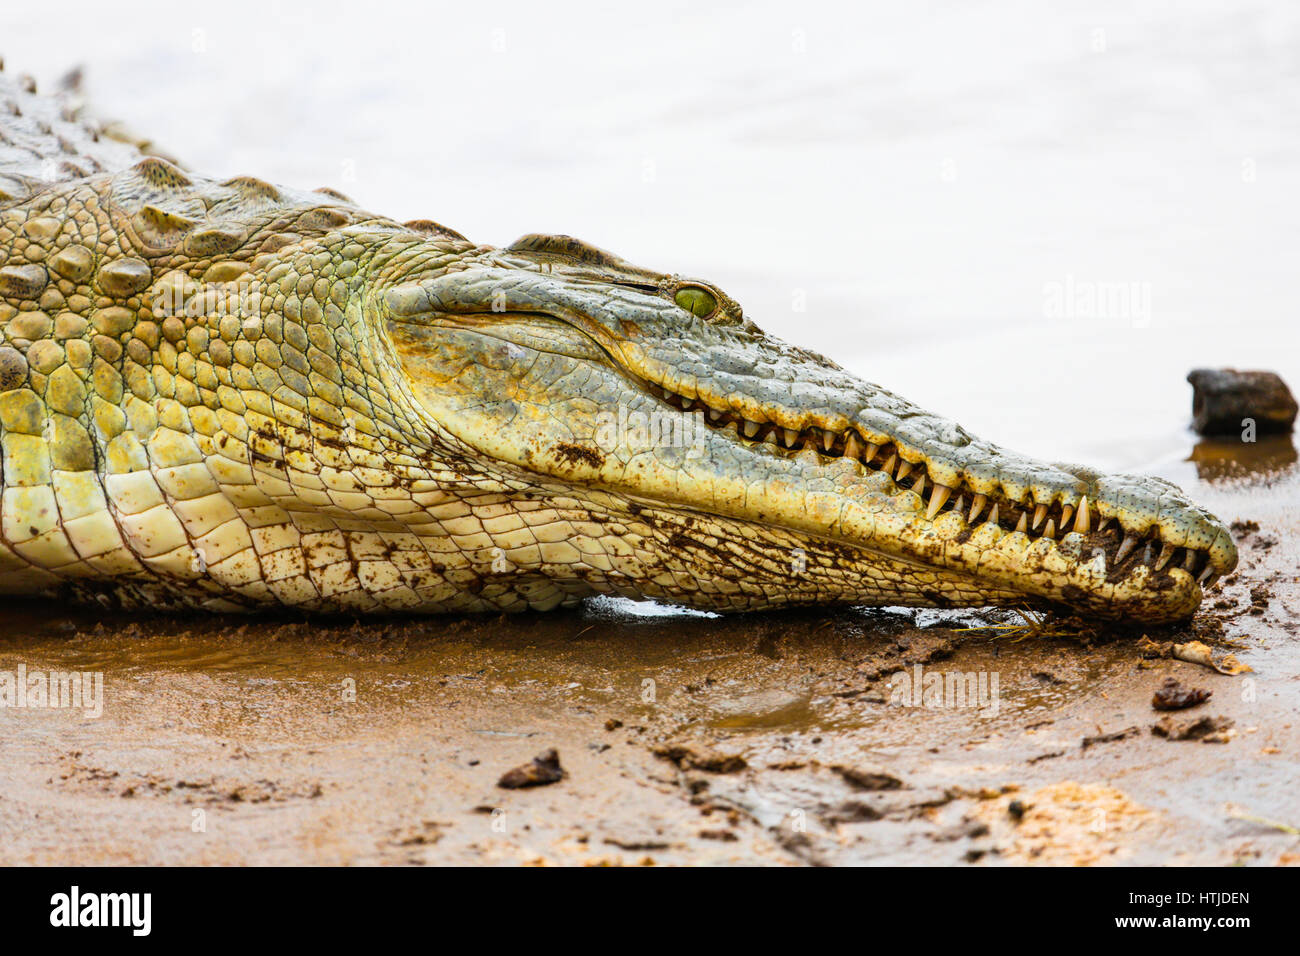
(696, 301)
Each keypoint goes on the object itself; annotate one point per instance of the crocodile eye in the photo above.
(697, 301)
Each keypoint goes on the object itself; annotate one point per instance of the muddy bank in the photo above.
(784, 738)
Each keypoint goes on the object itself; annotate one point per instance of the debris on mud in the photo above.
(1216, 730)
(1058, 825)
(1222, 398)
(1173, 695)
(696, 756)
(1194, 652)
(542, 770)
(1111, 737)
(866, 778)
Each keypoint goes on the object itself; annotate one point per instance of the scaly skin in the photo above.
(232, 396)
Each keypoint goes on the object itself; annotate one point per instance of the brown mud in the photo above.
(785, 738)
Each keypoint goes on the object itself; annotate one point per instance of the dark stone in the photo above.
(1171, 695)
(1223, 397)
(545, 768)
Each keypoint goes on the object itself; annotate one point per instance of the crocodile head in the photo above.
(749, 473)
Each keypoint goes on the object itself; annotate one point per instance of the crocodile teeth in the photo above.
(976, 507)
(828, 439)
(903, 470)
(1050, 530)
(1067, 511)
(751, 428)
(1084, 521)
(870, 453)
(852, 447)
(1039, 514)
(937, 500)
(919, 486)
(714, 415)
(993, 515)
(1023, 524)
(790, 436)
(770, 437)
(1207, 573)
(1189, 562)
(1166, 552)
(1126, 546)
(1103, 524)
(888, 466)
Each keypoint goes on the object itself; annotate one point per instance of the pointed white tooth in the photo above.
(919, 485)
(870, 453)
(1147, 552)
(1166, 552)
(1084, 521)
(1189, 562)
(1067, 512)
(852, 447)
(977, 507)
(790, 436)
(993, 515)
(903, 470)
(1207, 573)
(888, 466)
(1039, 514)
(1126, 546)
(937, 499)
(1023, 524)
(1050, 530)
(770, 437)
(959, 506)
(828, 439)
(1103, 524)
(714, 415)
(1211, 582)
(751, 428)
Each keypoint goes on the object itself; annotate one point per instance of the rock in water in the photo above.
(1222, 398)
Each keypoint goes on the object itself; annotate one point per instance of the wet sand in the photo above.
(764, 739)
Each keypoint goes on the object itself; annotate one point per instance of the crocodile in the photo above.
(232, 395)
